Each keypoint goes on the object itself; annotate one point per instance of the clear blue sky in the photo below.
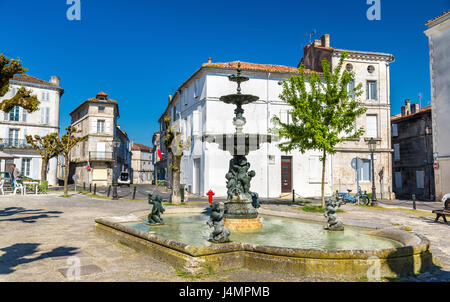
(138, 51)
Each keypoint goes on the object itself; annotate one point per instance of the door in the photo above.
(197, 176)
(286, 174)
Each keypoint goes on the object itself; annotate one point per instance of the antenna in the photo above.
(310, 34)
(420, 99)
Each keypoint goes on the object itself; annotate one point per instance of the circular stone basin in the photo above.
(192, 230)
(239, 99)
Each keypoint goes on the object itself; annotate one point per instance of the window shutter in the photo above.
(5, 116)
(42, 115)
(47, 115)
(420, 177)
(394, 130)
(107, 126)
(24, 115)
(94, 125)
(398, 180)
(371, 126)
(396, 152)
(196, 123)
(35, 166)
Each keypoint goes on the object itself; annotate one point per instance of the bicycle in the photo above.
(358, 198)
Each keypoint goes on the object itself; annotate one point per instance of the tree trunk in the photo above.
(66, 173)
(176, 197)
(44, 170)
(324, 162)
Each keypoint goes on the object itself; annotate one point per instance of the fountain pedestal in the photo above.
(240, 215)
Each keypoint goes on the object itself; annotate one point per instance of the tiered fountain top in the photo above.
(239, 98)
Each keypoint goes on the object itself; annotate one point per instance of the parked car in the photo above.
(124, 179)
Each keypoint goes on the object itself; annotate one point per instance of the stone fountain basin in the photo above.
(413, 254)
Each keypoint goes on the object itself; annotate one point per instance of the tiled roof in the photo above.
(30, 79)
(141, 147)
(438, 17)
(256, 67)
(399, 116)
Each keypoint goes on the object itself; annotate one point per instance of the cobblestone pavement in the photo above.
(40, 233)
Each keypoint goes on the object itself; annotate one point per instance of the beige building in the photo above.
(141, 163)
(438, 33)
(92, 161)
(372, 70)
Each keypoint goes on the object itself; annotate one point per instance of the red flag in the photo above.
(159, 154)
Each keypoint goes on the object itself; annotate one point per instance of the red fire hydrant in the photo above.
(210, 196)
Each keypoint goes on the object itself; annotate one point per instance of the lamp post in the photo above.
(372, 147)
(116, 145)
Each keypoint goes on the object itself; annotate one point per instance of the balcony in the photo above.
(7, 143)
(100, 156)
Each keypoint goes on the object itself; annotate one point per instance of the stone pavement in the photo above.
(40, 234)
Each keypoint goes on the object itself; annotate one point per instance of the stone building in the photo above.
(438, 33)
(372, 70)
(141, 163)
(93, 160)
(412, 141)
(18, 123)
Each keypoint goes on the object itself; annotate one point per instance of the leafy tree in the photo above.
(65, 145)
(23, 97)
(322, 116)
(175, 146)
(47, 146)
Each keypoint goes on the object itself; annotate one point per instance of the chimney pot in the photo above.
(209, 60)
(317, 43)
(325, 40)
(408, 106)
(403, 110)
(54, 80)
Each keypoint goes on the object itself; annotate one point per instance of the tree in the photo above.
(47, 147)
(23, 97)
(323, 116)
(175, 146)
(65, 145)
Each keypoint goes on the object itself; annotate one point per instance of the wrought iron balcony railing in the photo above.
(8, 143)
(100, 155)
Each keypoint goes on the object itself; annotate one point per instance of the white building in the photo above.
(438, 33)
(18, 123)
(204, 165)
(141, 163)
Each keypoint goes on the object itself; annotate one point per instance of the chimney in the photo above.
(403, 110)
(170, 98)
(325, 40)
(118, 126)
(101, 96)
(54, 80)
(317, 43)
(408, 106)
(209, 60)
(415, 108)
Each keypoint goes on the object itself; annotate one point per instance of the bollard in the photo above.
(109, 190)
(293, 196)
(95, 188)
(134, 192)
(414, 201)
(90, 188)
(84, 186)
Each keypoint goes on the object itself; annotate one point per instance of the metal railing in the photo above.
(14, 143)
(100, 155)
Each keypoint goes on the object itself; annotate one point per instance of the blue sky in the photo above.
(139, 51)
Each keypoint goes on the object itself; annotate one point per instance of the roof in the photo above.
(141, 147)
(123, 132)
(30, 79)
(96, 100)
(399, 116)
(443, 15)
(255, 67)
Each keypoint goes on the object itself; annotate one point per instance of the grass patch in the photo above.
(65, 196)
(184, 274)
(168, 203)
(317, 209)
(410, 211)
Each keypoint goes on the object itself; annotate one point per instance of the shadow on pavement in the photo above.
(27, 216)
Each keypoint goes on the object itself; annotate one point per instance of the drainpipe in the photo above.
(267, 130)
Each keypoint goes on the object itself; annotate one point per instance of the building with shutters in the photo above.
(198, 110)
(18, 123)
(141, 163)
(412, 139)
(97, 120)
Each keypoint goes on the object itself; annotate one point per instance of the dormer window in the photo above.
(101, 109)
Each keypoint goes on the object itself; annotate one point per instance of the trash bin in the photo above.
(182, 192)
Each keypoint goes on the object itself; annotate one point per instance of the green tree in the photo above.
(23, 97)
(47, 146)
(65, 145)
(175, 146)
(322, 116)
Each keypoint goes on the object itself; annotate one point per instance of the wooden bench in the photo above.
(444, 212)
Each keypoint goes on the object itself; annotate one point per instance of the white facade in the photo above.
(204, 165)
(438, 33)
(18, 123)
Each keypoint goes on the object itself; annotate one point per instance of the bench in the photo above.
(444, 212)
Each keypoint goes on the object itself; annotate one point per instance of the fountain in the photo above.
(241, 207)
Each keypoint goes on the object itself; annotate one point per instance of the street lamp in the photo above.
(116, 145)
(372, 147)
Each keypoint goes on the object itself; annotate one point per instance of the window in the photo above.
(394, 130)
(396, 152)
(174, 113)
(371, 126)
(398, 180)
(420, 179)
(285, 116)
(370, 69)
(101, 109)
(13, 137)
(45, 115)
(349, 67)
(351, 87)
(100, 126)
(315, 169)
(271, 159)
(26, 166)
(14, 114)
(371, 90)
(45, 95)
(24, 115)
(365, 171)
(197, 89)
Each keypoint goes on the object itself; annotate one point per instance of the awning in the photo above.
(4, 155)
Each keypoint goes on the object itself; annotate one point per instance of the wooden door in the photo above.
(286, 174)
